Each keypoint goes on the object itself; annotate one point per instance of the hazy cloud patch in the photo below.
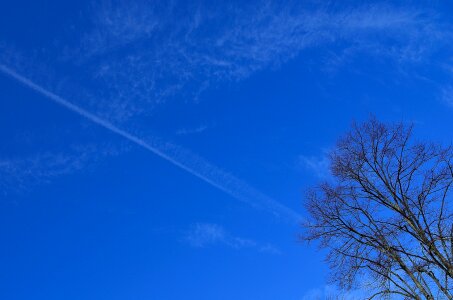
(19, 173)
(195, 130)
(318, 165)
(203, 235)
(332, 292)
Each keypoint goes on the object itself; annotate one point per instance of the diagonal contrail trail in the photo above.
(176, 155)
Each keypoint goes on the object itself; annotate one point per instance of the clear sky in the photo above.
(161, 149)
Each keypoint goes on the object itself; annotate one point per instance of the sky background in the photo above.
(161, 149)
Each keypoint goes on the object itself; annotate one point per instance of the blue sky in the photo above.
(161, 149)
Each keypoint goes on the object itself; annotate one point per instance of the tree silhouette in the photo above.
(387, 213)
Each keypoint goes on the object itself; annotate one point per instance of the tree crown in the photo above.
(387, 213)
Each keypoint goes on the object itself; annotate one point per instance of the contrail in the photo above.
(176, 155)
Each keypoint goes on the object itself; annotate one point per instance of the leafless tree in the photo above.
(386, 216)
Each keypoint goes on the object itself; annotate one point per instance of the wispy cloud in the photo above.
(207, 234)
(447, 95)
(140, 55)
(176, 155)
(18, 173)
(187, 131)
(332, 292)
(151, 53)
(319, 165)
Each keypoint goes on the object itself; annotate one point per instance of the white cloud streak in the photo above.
(176, 155)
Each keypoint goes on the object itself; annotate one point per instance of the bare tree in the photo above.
(387, 213)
